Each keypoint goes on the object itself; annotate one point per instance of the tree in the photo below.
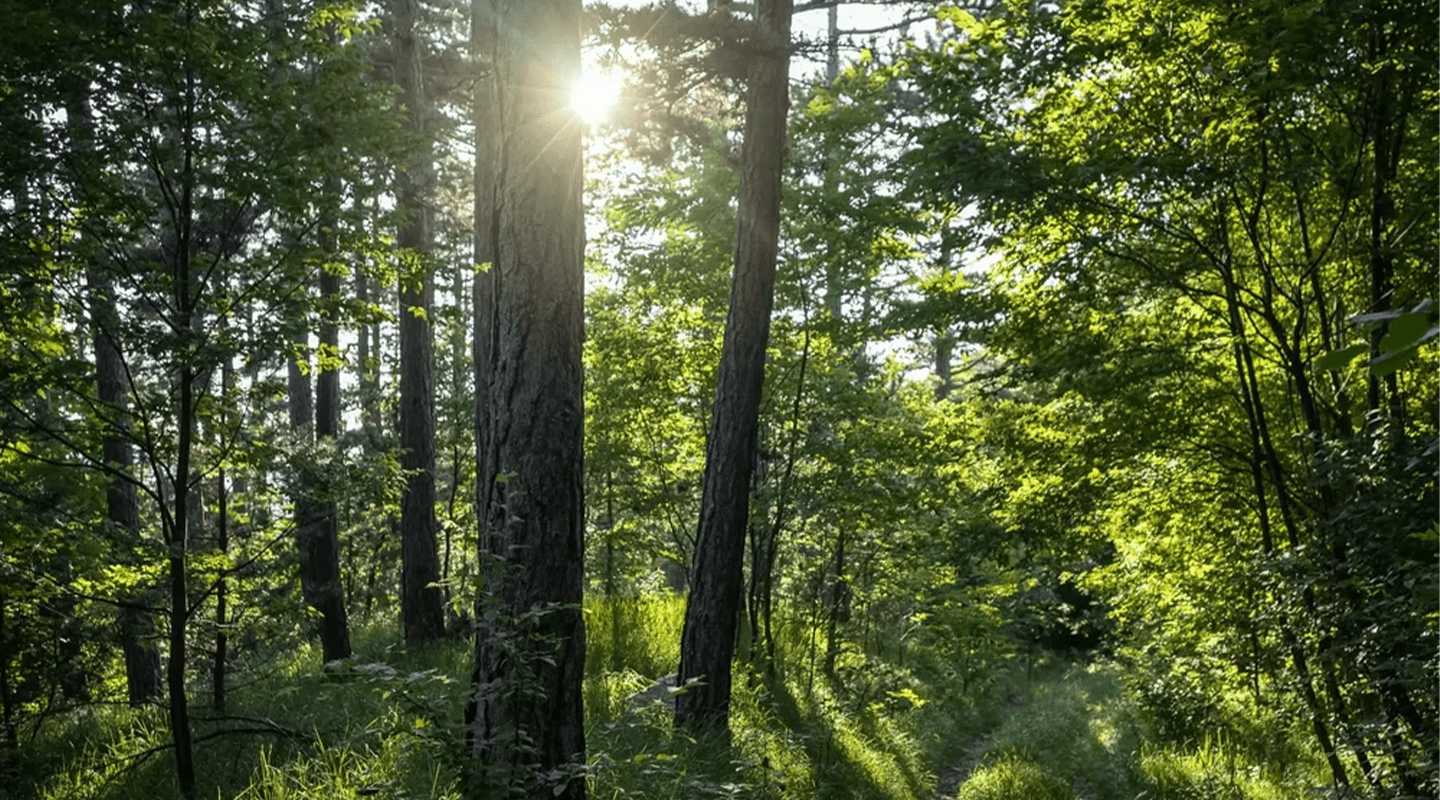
(712, 612)
(316, 534)
(527, 726)
(142, 659)
(1187, 178)
(421, 604)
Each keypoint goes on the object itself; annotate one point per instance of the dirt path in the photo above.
(950, 781)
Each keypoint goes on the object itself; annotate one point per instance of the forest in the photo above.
(787, 399)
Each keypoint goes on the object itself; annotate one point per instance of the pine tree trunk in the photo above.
(314, 533)
(178, 530)
(530, 654)
(122, 499)
(708, 642)
(421, 604)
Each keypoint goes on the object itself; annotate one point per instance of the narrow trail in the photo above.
(949, 783)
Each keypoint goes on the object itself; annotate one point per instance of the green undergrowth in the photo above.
(380, 725)
(387, 724)
(874, 730)
(1078, 736)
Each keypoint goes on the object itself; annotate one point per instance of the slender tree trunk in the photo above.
(1263, 454)
(7, 700)
(838, 591)
(708, 641)
(368, 372)
(611, 591)
(1382, 205)
(528, 723)
(222, 545)
(319, 556)
(421, 603)
(222, 536)
(178, 530)
(458, 456)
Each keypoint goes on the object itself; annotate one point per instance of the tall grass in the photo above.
(1079, 735)
(389, 725)
(871, 731)
(384, 725)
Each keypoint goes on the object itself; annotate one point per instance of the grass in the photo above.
(388, 726)
(1079, 737)
(291, 731)
(873, 732)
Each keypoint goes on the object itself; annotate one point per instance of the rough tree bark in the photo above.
(177, 527)
(708, 642)
(314, 529)
(122, 498)
(421, 604)
(527, 720)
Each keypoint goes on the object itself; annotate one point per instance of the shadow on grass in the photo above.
(859, 754)
(288, 721)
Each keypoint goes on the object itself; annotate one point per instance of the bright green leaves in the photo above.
(1406, 331)
(1338, 359)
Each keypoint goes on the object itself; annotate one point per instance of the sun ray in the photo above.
(595, 94)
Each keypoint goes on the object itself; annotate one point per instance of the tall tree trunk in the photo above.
(122, 499)
(325, 545)
(528, 715)
(178, 529)
(421, 604)
(222, 544)
(319, 555)
(486, 125)
(707, 644)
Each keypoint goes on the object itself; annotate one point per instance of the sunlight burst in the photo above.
(595, 94)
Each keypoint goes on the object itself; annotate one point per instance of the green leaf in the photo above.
(1337, 359)
(1375, 317)
(1390, 362)
(1404, 332)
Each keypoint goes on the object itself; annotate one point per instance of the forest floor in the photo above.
(950, 781)
(388, 725)
(1076, 734)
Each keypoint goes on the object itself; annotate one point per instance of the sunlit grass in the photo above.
(292, 730)
(388, 724)
(1078, 734)
(1013, 776)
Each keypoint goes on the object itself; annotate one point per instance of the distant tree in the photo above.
(421, 603)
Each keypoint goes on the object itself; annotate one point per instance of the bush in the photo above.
(1014, 775)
